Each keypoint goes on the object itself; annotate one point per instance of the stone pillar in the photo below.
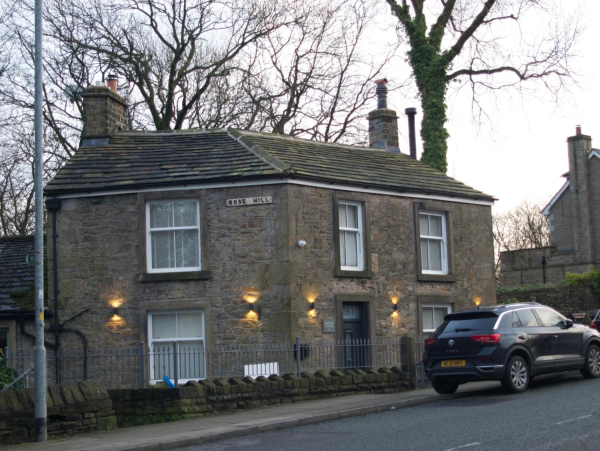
(579, 187)
(104, 113)
(409, 359)
(383, 123)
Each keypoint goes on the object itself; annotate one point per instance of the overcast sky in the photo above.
(525, 154)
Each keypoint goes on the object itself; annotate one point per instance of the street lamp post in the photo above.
(39, 350)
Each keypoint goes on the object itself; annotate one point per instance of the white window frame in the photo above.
(152, 341)
(448, 308)
(149, 268)
(360, 257)
(443, 239)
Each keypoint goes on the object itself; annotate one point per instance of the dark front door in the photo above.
(356, 348)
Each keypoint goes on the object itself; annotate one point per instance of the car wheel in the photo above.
(445, 388)
(591, 367)
(516, 378)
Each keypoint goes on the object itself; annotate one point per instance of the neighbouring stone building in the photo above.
(574, 217)
(17, 277)
(229, 236)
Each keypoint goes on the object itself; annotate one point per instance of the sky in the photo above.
(523, 155)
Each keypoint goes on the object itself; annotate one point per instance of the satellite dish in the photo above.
(73, 92)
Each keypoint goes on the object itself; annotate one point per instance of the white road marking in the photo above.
(464, 446)
(574, 419)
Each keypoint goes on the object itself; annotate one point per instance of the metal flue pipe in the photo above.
(411, 112)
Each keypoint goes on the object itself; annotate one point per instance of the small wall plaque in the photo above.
(329, 326)
(249, 201)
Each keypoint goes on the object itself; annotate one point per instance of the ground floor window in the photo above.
(433, 316)
(177, 345)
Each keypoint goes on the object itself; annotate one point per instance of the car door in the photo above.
(531, 334)
(565, 343)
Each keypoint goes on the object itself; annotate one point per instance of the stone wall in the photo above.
(594, 177)
(560, 221)
(72, 409)
(252, 251)
(393, 257)
(524, 267)
(100, 260)
(220, 395)
(564, 299)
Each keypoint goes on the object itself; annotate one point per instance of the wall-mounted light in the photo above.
(301, 243)
(115, 308)
(312, 311)
(252, 311)
(395, 300)
(115, 315)
(395, 313)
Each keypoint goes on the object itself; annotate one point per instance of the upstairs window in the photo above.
(350, 218)
(173, 236)
(433, 243)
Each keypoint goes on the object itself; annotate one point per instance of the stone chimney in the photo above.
(383, 122)
(104, 113)
(582, 196)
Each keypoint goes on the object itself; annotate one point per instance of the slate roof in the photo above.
(16, 275)
(135, 160)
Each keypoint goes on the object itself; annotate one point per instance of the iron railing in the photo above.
(178, 362)
(421, 380)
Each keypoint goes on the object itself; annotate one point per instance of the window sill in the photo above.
(354, 274)
(172, 276)
(436, 277)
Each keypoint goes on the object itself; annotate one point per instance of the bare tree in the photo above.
(482, 44)
(302, 68)
(523, 227)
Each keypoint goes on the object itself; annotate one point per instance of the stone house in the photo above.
(230, 236)
(574, 218)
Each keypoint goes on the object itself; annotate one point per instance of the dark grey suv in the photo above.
(509, 343)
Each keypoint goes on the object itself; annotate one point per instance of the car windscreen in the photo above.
(470, 323)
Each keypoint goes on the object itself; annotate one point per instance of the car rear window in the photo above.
(470, 325)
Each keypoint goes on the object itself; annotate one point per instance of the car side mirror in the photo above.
(568, 323)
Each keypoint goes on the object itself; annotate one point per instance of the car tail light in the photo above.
(594, 325)
(429, 341)
(492, 338)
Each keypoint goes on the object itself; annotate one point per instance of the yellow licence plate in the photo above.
(452, 363)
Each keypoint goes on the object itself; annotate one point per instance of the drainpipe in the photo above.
(53, 205)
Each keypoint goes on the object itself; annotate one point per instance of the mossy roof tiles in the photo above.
(152, 159)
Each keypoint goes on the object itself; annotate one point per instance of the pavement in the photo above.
(165, 436)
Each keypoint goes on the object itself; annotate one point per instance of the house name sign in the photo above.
(249, 201)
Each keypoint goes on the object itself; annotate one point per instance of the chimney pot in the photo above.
(381, 93)
(578, 130)
(112, 82)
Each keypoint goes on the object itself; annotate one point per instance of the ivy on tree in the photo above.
(459, 21)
